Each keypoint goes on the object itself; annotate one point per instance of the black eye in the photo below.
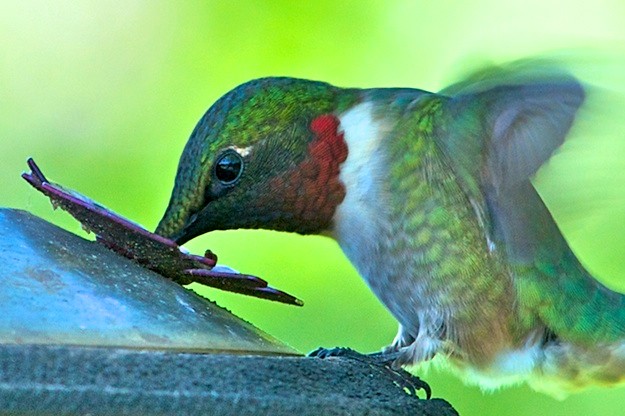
(228, 167)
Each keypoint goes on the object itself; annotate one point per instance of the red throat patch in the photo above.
(312, 190)
(329, 143)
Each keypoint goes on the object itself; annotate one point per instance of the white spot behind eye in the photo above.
(243, 151)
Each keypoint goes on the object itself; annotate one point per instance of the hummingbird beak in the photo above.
(179, 232)
(188, 232)
(176, 227)
(181, 237)
(181, 229)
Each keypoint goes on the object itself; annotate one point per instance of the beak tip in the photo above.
(182, 236)
(172, 230)
(180, 240)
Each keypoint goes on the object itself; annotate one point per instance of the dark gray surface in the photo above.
(67, 305)
(44, 380)
(58, 288)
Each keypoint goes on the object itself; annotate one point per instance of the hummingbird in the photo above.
(430, 197)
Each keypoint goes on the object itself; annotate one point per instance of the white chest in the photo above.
(358, 218)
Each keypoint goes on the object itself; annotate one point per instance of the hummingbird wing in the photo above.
(505, 123)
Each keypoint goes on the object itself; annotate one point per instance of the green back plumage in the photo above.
(433, 208)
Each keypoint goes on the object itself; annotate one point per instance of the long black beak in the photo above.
(187, 232)
(183, 236)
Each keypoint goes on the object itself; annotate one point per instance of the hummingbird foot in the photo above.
(403, 339)
(422, 349)
(382, 357)
(408, 350)
(322, 352)
(411, 384)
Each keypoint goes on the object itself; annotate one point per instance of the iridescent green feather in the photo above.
(449, 247)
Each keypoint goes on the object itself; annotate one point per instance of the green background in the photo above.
(104, 95)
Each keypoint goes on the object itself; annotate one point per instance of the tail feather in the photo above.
(566, 368)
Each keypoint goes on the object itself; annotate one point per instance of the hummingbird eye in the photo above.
(228, 167)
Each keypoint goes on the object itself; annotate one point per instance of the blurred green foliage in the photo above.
(104, 95)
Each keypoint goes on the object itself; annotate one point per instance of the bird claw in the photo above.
(409, 383)
(335, 352)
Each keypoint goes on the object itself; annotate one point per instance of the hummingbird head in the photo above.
(265, 155)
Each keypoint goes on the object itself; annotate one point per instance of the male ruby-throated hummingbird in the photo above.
(430, 197)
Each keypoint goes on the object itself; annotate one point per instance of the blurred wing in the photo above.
(505, 123)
